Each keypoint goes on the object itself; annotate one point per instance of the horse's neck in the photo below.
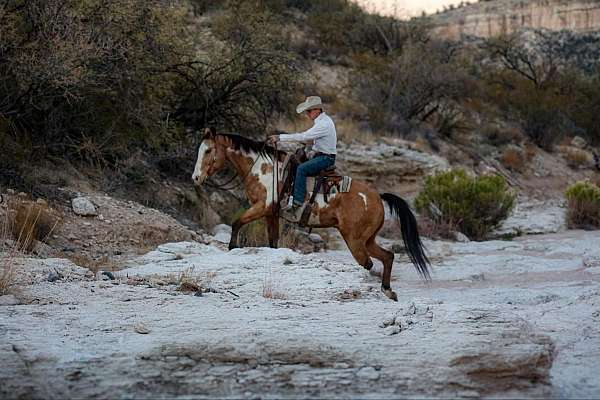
(244, 163)
(239, 162)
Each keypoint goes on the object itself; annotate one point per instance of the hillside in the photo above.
(491, 18)
(123, 286)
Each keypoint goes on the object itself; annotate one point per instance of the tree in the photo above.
(410, 85)
(244, 79)
(85, 78)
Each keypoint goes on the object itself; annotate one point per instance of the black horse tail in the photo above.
(410, 233)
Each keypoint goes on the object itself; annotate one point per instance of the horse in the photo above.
(357, 214)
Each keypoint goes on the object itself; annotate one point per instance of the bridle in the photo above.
(222, 186)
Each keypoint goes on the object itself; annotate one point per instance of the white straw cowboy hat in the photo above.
(308, 104)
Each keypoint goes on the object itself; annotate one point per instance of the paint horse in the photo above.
(357, 214)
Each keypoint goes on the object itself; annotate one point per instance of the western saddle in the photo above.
(327, 182)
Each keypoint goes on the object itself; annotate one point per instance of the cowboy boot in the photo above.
(293, 213)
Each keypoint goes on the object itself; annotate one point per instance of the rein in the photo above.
(275, 183)
(222, 185)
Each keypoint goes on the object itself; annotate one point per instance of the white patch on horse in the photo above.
(198, 167)
(265, 179)
(364, 197)
(320, 199)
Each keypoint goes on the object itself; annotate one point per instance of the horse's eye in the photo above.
(207, 151)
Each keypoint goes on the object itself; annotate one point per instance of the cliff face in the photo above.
(492, 18)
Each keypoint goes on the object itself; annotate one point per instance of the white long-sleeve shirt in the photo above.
(322, 133)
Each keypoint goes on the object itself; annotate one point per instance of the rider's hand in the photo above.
(273, 139)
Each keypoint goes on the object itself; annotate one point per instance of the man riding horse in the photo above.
(357, 213)
(324, 138)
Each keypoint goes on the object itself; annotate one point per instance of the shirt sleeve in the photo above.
(317, 131)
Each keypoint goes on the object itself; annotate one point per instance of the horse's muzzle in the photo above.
(198, 179)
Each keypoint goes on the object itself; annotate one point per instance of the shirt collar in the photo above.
(320, 116)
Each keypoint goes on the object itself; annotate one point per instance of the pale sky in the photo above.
(406, 7)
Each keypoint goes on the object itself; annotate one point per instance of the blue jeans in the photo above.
(309, 168)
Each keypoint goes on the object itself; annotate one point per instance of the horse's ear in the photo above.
(209, 133)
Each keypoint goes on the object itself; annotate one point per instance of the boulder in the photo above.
(222, 233)
(9, 300)
(84, 207)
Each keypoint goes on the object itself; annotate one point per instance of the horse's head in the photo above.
(211, 157)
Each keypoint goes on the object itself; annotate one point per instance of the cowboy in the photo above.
(324, 138)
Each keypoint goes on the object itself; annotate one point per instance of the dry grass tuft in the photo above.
(188, 280)
(437, 230)
(9, 249)
(513, 159)
(34, 221)
(269, 293)
(23, 222)
(576, 158)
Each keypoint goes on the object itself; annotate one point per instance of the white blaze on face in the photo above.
(197, 175)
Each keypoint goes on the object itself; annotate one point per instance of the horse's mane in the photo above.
(248, 145)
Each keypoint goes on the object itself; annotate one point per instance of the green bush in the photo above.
(474, 205)
(583, 206)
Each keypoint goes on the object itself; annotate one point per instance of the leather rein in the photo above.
(222, 186)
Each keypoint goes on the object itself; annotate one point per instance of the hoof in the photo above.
(390, 293)
(232, 246)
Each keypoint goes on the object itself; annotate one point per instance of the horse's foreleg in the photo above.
(358, 249)
(253, 213)
(273, 231)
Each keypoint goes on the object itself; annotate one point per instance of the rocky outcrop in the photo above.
(393, 164)
(492, 18)
(500, 319)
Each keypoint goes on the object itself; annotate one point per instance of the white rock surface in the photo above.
(222, 233)
(9, 300)
(529, 326)
(534, 217)
(84, 207)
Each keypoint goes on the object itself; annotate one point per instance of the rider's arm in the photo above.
(317, 131)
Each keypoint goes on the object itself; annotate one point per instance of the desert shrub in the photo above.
(498, 135)
(528, 82)
(576, 158)
(241, 80)
(583, 210)
(342, 27)
(514, 159)
(411, 84)
(476, 205)
(87, 78)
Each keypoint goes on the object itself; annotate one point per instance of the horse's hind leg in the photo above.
(387, 259)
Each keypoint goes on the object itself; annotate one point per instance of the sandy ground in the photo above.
(502, 318)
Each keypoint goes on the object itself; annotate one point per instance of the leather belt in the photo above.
(317, 154)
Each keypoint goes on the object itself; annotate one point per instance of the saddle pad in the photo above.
(343, 186)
